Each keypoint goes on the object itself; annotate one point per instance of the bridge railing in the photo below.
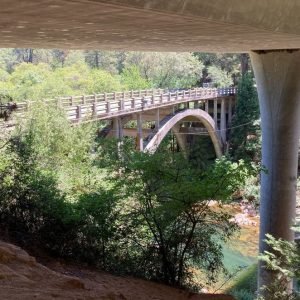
(111, 104)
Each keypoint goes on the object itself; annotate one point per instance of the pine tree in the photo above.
(245, 132)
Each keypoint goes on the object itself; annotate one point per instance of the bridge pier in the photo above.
(223, 122)
(140, 138)
(118, 128)
(216, 113)
(180, 138)
(278, 82)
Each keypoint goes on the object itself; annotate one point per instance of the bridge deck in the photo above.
(109, 105)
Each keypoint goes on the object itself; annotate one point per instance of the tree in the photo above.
(283, 259)
(245, 132)
(27, 79)
(226, 64)
(132, 80)
(166, 219)
(167, 70)
(105, 60)
(218, 77)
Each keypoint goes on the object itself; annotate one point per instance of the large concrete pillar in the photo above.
(278, 81)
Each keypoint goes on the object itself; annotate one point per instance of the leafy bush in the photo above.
(167, 221)
(283, 263)
(133, 213)
(242, 295)
(244, 287)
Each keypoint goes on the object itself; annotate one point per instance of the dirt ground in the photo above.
(21, 277)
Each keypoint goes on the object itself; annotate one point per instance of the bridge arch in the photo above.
(170, 121)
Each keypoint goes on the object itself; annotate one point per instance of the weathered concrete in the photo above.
(180, 138)
(278, 81)
(151, 25)
(199, 115)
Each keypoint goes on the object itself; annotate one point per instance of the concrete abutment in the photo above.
(278, 81)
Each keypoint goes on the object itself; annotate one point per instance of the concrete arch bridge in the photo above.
(201, 111)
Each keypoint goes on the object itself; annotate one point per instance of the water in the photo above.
(234, 259)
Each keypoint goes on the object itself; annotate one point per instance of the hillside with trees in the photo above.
(72, 195)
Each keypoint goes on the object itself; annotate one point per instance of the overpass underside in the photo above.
(262, 26)
(150, 25)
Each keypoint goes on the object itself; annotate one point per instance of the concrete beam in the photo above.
(278, 82)
(151, 25)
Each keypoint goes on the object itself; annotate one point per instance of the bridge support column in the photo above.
(117, 128)
(180, 138)
(140, 140)
(278, 82)
(216, 113)
(157, 120)
(206, 106)
(223, 122)
(229, 111)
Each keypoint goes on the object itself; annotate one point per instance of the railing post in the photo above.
(161, 98)
(78, 112)
(105, 97)
(133, 103)
(94, 109)
(83, 99)
(108, 107)
(95, 98)
(122, 105)
(152, 100)
(169, 96)
(71, 101)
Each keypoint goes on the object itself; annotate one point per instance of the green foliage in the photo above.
(52, 197)
(245, 135)
(134, 213)
(244, 287)
(227, 67)
(132, 79)
(283, 260)
(101, 81)
(39, 73)
(219, 77)
(27, 79)
(168, 224)
(167, 70)
(242, 295)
